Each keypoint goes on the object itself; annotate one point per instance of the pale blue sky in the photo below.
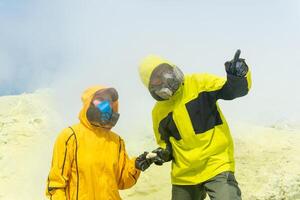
(70, 44)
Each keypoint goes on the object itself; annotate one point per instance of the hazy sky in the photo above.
(70, 44)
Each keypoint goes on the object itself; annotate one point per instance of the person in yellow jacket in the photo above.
(190, 128)
(89, 160)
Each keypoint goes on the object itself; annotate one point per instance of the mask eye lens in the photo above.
(156, 82)
(96, 102)
(109, 94)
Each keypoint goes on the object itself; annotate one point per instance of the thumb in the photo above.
(227, 64)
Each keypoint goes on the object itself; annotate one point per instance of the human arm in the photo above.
(237, 84)
(163, 153)
(238, 81)
(127, 171)
(61, 166)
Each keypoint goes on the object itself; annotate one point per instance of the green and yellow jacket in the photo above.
(193, 124)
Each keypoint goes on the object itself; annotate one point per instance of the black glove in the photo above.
(163, 155)
(142, 163)
(237, 66)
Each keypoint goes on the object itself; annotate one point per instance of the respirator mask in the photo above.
(101, 110)
(165, 81)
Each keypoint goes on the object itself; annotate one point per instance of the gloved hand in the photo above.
(162, 156)
(142, 162)
(237, 66)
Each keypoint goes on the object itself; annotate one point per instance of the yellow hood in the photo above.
(147, 65)
(86, 99)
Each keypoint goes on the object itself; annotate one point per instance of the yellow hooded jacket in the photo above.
(89, 163)
(192, 122)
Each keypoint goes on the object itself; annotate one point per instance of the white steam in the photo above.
(70, 45)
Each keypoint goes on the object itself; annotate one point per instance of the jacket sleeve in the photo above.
(61, 166)
(160, 139)
(127, 173)
(227, 89)
(235, 87)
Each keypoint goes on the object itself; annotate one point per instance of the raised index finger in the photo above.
(237, 55)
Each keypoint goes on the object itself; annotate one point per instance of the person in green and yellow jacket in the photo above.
(89, 160)
(190, 128)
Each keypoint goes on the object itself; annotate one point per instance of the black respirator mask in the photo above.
(100, 112)
(165, 81)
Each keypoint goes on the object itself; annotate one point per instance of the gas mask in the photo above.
(100, 112)
(165, 81)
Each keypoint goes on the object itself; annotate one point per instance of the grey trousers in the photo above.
(221, 187)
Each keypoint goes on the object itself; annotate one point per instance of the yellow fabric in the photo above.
(249, 79)
(90, 163)
(147, 65)
(197, 157)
